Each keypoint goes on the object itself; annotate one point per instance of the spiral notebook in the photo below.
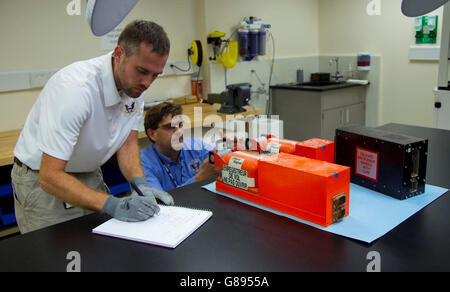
(169, 228)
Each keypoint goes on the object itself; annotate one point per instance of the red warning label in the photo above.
(366, 163)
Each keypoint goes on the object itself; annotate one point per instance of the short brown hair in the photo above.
(156, 114)
(140, 31)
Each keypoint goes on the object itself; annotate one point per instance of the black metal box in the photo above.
(390, 163)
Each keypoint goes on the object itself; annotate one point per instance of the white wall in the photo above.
(406, 94)
(40, 35)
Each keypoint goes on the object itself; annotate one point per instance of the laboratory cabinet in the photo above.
(318, 113)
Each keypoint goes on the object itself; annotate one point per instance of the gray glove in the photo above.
(130, 209)
(143, 189)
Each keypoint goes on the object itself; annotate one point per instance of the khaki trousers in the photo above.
(36, 209)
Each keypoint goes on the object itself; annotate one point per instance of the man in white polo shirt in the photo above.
(86, 113)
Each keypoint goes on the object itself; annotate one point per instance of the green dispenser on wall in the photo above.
(426, 29)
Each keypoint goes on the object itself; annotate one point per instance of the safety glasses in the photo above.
(171, 126)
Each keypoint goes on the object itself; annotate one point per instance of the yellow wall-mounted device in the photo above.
(215, 39)
(197, 52)
(216, 34)
(230, 57)
(227, 54)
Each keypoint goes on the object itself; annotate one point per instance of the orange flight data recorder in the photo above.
(309, 189)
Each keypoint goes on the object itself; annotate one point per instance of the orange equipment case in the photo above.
(313, 190)
(319, 149)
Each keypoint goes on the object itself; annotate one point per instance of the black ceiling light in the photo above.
(104, 16)
(414, 8)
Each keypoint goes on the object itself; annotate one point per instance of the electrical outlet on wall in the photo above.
(23, 80)
(173, 68)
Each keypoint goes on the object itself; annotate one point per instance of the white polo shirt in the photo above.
(79, 117)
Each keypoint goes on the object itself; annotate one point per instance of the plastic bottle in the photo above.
(243, 41)
(253, 48)
(262, 42)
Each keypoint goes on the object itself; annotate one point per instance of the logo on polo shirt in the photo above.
(194, 165)
(130, 108)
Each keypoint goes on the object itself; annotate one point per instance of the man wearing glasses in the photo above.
(171, 161)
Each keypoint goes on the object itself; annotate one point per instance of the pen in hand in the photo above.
(138, 191)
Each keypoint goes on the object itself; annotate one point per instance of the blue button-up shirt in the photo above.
(190, 160)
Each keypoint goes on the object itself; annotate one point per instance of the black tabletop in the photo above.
(241, 238)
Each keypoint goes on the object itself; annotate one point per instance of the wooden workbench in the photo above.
(9, 139)
(7, 142)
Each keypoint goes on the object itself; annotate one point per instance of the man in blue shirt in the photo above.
(171, 161)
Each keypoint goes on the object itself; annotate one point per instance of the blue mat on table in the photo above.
(372, 214)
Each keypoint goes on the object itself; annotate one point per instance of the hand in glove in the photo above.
(142, 188)
(131, 209)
